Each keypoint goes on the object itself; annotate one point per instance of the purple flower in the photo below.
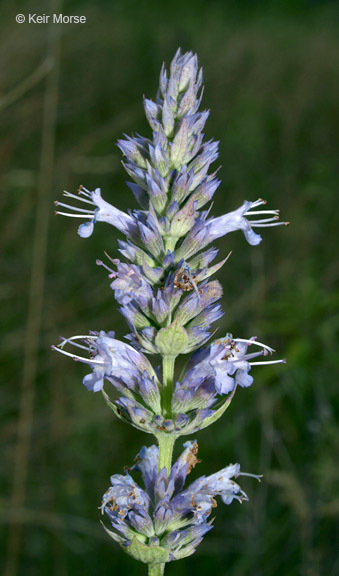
(237, 220)
(126, 505)
(165, 294)
(110, 359)
(104, 212)
(131, 285)
(226, 362)
(165, 513)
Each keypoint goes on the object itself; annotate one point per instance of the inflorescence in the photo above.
(169, 301)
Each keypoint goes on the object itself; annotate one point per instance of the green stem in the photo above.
(156, 569)
(166, 445)
(167, 376)
(165, 440)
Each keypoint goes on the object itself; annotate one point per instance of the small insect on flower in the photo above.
(185, 280)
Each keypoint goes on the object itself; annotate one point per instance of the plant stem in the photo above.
(165, 440)
(166, 445)
(156, 569)
(167, 375)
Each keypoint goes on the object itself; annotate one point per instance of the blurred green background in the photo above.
(68, 92)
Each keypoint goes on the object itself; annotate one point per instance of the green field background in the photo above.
(67, 93)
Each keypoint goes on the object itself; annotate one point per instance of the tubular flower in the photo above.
(128, 370)
(102, 212)
(227, 362)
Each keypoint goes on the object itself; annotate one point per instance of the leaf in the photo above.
(113, 535)
(147, 554)
(184, 220)
(218, 413)
(179, 145)
(194, 427)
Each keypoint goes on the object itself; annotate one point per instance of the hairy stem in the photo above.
(167, 375)
(166, 445)
(156, 569)
(165, 440)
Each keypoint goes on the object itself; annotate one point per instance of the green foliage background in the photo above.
(272, 83)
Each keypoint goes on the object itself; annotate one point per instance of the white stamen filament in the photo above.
(75, 344)
(283, 361)
(256, 476)
(251, 342)
(115, 261)
(249, 356)
(258, 202)
(84, 192)
(77, 198)
(268, 225)
(101, 263)
(264, 220)
(75, 215)
(78, 358)
(259, 212)
(79, 337)
(241, 498)
(75, 208)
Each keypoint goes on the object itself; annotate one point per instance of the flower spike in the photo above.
(165, 293)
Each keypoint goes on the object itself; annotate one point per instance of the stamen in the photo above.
(79, 337)
(256, 476)
(258, 202)
(113, 274)
(251, 341)
(75, 208)
(283, 361)
(74, 344)
(264, 220)
(82, 190)
(77, 198)
(258, 212)
(115, 261)
(253, 355)
(244, 495)
(241, 498)
(269, 225)
(88, 339)
(77, 358)
(74, 215)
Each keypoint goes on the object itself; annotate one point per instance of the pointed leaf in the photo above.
(179, 146)
(147, 554)
(184, 220)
